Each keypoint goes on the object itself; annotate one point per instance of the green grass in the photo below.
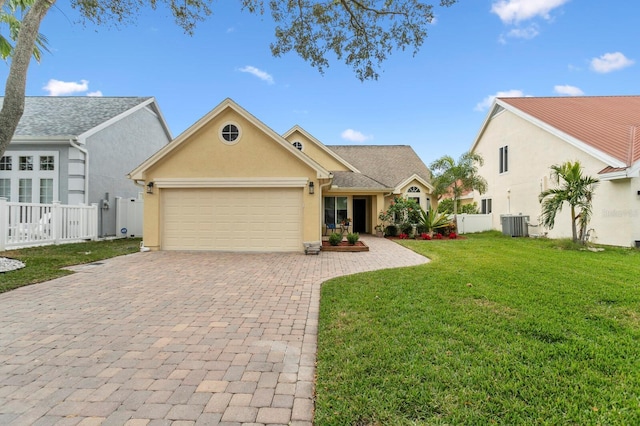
(45, 263)
(494, 330)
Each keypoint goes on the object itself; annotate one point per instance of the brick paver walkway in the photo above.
(172, 338)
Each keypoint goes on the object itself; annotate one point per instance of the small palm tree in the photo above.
(575, 189)
(457, 178)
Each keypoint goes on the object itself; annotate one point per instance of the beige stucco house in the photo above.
(522, 137)
(231, 183)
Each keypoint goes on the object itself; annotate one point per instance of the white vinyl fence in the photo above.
(32, 224)
(470, 223)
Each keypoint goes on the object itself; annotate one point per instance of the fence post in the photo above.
(93, 216)
(56, 222)
(4, 224)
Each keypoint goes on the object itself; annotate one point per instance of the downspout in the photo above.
(74, 144)
(324, 185)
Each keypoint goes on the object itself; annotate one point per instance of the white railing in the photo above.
(32, 224)
(470, 223)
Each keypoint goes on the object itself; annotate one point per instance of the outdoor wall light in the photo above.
(312, 188)
(150, 188)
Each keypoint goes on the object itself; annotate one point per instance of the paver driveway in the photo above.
(172, 337)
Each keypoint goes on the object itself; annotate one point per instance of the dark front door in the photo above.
(359, 215)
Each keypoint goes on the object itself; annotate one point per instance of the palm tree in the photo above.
(574, 188)
(457, 178)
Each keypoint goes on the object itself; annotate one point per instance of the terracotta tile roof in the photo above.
(388, 165)
(610, 124)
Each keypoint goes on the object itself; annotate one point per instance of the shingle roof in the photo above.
(387, 165)
(610, 124)
(70, 116)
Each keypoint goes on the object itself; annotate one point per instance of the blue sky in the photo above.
(435, 101)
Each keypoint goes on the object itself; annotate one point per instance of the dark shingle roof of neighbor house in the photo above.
(382, 166)
(70, 115)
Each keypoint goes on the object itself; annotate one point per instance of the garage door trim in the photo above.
(259, 182)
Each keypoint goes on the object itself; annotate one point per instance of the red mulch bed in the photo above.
(345, 246)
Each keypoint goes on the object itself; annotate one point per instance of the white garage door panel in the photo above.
(265, 219)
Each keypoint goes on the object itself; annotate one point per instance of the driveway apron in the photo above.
(173, 338)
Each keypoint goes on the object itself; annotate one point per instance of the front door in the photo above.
(359, 215)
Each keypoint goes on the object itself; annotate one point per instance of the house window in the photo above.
(31, 176)
(46, 191)
(24, 191)
(5, 163)
(485, 206)
(298, 145)
(414, 190)
(504, 159)
(230, 133)
(335, 209)
(5, 188)
(47, 162)
(25, 163)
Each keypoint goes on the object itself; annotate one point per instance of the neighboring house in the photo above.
(522, 137)
(229, 182)
(78, 150)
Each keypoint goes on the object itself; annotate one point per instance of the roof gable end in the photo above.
(139, 172)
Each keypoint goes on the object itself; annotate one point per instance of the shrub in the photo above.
(421, 229)
(438, 236)
(391, 230)
(453, 236)
(406, 228)
(353, 237)
(403, 236)
(335, 239)
(425, 236)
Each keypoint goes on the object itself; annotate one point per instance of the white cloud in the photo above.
(568, 90)
(61, 88)
(262, 75)
(514, 11)
(97, 93)
(527, 33)
(355, 136)
(610, 62)
(486, 102)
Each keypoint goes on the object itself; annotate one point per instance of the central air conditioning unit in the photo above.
(515, 225)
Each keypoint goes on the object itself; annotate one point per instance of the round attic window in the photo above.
(298, 145)
(230, 133)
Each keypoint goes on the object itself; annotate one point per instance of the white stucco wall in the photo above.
(532, 150)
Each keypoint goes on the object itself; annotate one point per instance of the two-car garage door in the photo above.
(232, 219)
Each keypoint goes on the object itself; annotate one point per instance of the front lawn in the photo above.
(45, 263)
(494, 330)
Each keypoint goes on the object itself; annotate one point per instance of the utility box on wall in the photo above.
(129, 216)
(515, 225)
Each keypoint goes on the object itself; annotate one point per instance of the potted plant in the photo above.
(379, 231)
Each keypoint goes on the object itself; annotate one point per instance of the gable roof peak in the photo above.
(602, 126)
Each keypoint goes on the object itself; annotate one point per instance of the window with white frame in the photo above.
(25, 163)
(6, 163)
(46, 191)
(25, 191)
(485, 206)
(504, 159)
(47, 162)
(230, 133)
(5, 188)
(413, 193)
(335, 210)
(29, 176)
